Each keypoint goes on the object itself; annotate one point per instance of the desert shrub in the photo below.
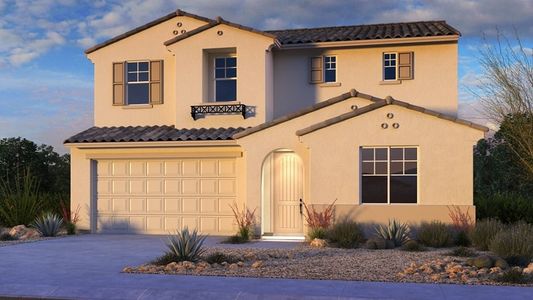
(462, 252)
(515, 276)
(48, 224)
(462, 223)
(70, 218)
(375, 243)
(514, 244)
(435, 234)
(345, 234)
(165, 259)
(219, 257)
(5, 236)
(483, 233)
(235, 239)
(317, 233)
(395, 231)
(184, 246)
(509, 207)
(20, 201)
(245, 219)
(71, 228)
(413, 246)
(462, 239)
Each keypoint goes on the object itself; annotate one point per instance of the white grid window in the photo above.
(389, 66)
(138, 82)
(226, 78)
(330, 69)
(389, 175)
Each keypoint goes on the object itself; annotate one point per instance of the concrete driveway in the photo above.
(88, 267)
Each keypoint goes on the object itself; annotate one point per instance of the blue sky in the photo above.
(46, 81)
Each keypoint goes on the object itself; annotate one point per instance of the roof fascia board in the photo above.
(114, 145)
(367, 43)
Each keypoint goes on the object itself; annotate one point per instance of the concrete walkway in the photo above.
(88, 267)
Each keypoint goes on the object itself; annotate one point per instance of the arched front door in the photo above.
(287, 193)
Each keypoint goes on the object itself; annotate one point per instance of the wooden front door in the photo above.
(287, 192)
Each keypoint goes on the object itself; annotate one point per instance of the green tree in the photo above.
(17, 155)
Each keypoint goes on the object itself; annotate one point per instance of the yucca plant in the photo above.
(395, 231)
(48, 224)
(186, 246)
(20, 201)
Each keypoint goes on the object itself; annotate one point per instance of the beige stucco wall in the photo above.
(84, 160)
(192, 75)
(445, 161)
(434, 85)
(145, 45)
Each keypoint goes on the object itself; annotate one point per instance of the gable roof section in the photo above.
(387, 101)
(364, 32)
(352, 93)
(146, 26)
(151, 134)
(212, 24)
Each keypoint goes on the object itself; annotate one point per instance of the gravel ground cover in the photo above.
(326, 263)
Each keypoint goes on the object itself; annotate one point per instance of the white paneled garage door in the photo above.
(159, 196)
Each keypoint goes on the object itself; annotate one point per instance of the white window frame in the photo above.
(395, 66)
(389, 174)
(215, 79)
(137, 82)
(326, 68)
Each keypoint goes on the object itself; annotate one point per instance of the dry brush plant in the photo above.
(245, 219)
(318, 221)
(461, 220)
(70, 218)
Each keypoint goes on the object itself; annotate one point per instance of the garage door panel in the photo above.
(190, 186)
(137, 187)
(154, 186)
(154, 205)
(172, 205)
(189, 168)
(137, 168)
(159, 196)
(137, 205)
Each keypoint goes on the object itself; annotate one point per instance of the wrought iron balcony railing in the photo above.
(217, 109)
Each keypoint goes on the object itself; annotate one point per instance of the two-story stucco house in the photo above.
(193, 114)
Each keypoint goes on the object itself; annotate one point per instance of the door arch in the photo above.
(282, 194)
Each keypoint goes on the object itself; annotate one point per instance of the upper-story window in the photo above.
(323, 69)
(398, 66)
(330, 69)
(226, 78)
(138, 82)
(389, 175)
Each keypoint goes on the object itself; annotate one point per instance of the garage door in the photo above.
(159, 196)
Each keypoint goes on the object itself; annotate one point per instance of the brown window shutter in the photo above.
(119, 97)
(405, 65)
(156, 82)
(317, 73)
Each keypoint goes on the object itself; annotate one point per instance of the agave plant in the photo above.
(186, 246)
(48, 224)
(396, 231)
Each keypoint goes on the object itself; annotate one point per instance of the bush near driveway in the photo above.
(514, 244)
(435, 234)
(483, 233)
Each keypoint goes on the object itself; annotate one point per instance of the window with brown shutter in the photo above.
(118, 84)
(156, 82)
(405, 65)
(316, 67)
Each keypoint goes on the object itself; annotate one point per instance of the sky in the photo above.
(46, 82)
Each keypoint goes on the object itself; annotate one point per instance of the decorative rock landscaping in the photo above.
(339, 264)
(21, 234)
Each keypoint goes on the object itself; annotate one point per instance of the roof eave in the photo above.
(374, 42)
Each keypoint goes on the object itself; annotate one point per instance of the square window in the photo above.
(410, 154)
(390, 73)
(132, 67)
(396, 167)
(219, 73)
(220, 63)
(368, 168)
(396, 153)
(132, 77)
(403, 189)
(231, 73)
(330, 76)
(143, 66)
(231, 62)
(410, 168)
(381, 168)
(143, 76)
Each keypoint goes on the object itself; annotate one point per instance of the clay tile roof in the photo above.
(364, 32)
(151, 134)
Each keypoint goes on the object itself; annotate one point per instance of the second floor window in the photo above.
(389, 66)
(225, 79)
(330, 69)
(398, 65)
(138, 82)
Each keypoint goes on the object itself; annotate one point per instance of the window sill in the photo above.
(330, 84)
(390, 82)
(137, 106)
